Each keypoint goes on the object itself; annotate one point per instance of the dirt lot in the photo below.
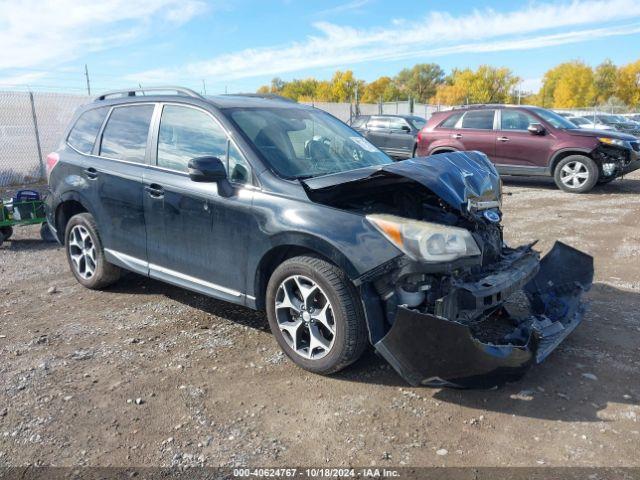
(147, 374)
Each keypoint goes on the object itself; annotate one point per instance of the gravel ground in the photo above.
(146, 374)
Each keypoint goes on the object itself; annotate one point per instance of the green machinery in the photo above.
(26, 208)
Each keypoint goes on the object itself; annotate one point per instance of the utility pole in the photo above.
(86, 74)
(204, 87)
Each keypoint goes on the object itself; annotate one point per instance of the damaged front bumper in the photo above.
(449, 347)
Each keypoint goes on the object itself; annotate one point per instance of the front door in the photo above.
(516, 146)
(196, 237)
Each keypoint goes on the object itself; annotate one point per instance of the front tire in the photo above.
(86, 255)
(316, 315)
(576, 174)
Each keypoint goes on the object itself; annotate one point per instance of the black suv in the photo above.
(282, 207)
(393, 134)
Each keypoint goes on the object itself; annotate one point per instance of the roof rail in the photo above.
(136, 92)
(267, 96)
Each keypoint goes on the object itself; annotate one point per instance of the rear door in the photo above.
(516, 146)
(122, 148)
(401, 137)
(476, 131)
(196, 238)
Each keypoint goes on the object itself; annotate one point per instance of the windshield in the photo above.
(302, 143)
(557, 121)
(417, 122)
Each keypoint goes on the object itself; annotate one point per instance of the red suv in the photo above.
(533, 141)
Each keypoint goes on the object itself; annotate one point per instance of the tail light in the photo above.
(52, 161)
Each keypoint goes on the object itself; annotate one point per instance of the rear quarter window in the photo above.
(451, 120)
(83, 134)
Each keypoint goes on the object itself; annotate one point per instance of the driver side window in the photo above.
(187, 133)
(516, 120)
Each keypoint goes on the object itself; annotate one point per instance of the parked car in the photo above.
(617, 122)
(282, 207)
(582, 122)
(393, 134)
(533, 141)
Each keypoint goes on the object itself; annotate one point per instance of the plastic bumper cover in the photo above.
(432, 350)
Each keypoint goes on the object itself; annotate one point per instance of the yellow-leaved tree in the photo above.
(569, 85)
(628, 84)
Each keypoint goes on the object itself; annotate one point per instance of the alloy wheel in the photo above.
(574, 174)
(305, 317)
(82, 251)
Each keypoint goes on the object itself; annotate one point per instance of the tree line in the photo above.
(571, 84)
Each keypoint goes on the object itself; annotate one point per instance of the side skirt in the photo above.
(179, 279)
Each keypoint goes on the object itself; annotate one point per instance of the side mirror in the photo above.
(405, 128)
(536, 129)
(207, 169)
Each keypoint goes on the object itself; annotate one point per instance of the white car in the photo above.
(582, 122)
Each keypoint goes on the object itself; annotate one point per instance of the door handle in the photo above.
(91, 173)
(503, 139)
(154, 190)
(457, 136)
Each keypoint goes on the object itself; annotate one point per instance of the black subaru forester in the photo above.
(279, 206)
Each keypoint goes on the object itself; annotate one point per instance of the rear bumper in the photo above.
(428, 349)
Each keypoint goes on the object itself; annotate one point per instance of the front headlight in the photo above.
(613, 141)
(424, 241)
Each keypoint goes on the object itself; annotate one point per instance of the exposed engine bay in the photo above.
(476, 319)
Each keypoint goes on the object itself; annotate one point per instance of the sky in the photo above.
(237, 45)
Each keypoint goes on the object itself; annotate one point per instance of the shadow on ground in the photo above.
(556, 389)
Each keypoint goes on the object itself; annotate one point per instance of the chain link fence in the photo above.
(31, 126)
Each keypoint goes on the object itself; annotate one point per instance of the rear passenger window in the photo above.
(479, 119)
(125, 136)
(84, 132)
(451, 121)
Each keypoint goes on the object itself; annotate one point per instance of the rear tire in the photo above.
(320, 342)
(86, 255)
(576, 174)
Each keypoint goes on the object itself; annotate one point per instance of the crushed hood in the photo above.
(456, 177)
